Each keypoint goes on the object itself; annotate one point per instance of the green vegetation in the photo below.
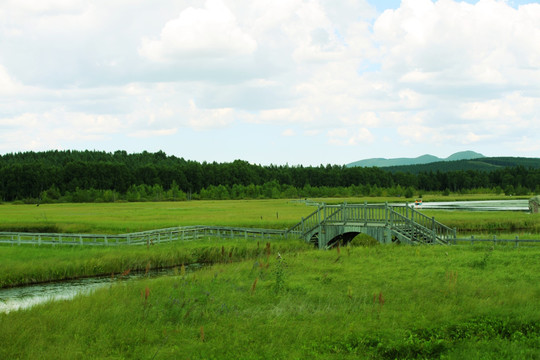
(117, 218)
(488, 222)
(23, 265)
(92, 176)
(379, 302)
(363, 300)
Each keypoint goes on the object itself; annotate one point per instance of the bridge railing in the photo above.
(306, 224)
(383, 214)
(414, 231)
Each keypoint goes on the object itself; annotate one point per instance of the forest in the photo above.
(95, 176)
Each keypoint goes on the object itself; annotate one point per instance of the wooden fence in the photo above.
(185, 233)
(494, 241)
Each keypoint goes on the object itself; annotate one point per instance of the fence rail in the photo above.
(150, 237)
(494, 240)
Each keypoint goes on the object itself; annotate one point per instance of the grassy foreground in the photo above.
(376, 302)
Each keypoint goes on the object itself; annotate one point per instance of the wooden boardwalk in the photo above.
(325, 227)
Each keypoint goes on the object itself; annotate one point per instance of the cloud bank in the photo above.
(296, 81)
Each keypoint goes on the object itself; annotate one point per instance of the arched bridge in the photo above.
(386, 223)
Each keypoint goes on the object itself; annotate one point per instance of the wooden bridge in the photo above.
(386, 223)
(324, 227)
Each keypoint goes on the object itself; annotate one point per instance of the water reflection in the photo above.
(488, 205)
(12, 299)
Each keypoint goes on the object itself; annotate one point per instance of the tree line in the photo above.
(86, 176)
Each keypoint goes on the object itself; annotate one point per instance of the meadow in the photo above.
(274, 300)
(380, 302)
(125, 217)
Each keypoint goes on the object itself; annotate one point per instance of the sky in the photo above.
(298, 82)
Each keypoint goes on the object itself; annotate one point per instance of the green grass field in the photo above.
(382, 302)
(367, 302)
(116, 218)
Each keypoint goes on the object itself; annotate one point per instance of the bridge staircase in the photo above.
(386, 223)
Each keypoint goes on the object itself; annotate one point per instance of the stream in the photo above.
(23, 297)
(485, 205)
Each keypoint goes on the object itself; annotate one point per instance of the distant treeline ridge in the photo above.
(84, 176)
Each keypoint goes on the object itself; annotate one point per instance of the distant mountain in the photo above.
(424, 159)
(486, 164)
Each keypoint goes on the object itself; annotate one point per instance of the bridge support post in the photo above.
(365, 213)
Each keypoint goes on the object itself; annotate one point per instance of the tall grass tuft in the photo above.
(202, 334)
(254, 286)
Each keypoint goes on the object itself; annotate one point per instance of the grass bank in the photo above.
(381, 302)
(23, 265)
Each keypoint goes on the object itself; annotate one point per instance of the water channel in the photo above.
(23, 297)
(485, 205)
(12, 299)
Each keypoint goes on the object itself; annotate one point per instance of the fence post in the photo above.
(128, 239)
(472, 239)
(517, 241)
(386, 212)
(106, 241)
(407, 209)
(39, 240)
(19, 239)
(80, 240)
(365, 213)
(494, 240)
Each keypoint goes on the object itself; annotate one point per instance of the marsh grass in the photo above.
(382, 302)
(116, 218)
(22, 265)
(488, 222)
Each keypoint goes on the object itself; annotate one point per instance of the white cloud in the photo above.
(153, 133)
(42, 131)
(8, 86)
(202, 119)
(351, 137)
(426, 74)
(447, 42)
(46, 7)
(288, 133)
(211, 32)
